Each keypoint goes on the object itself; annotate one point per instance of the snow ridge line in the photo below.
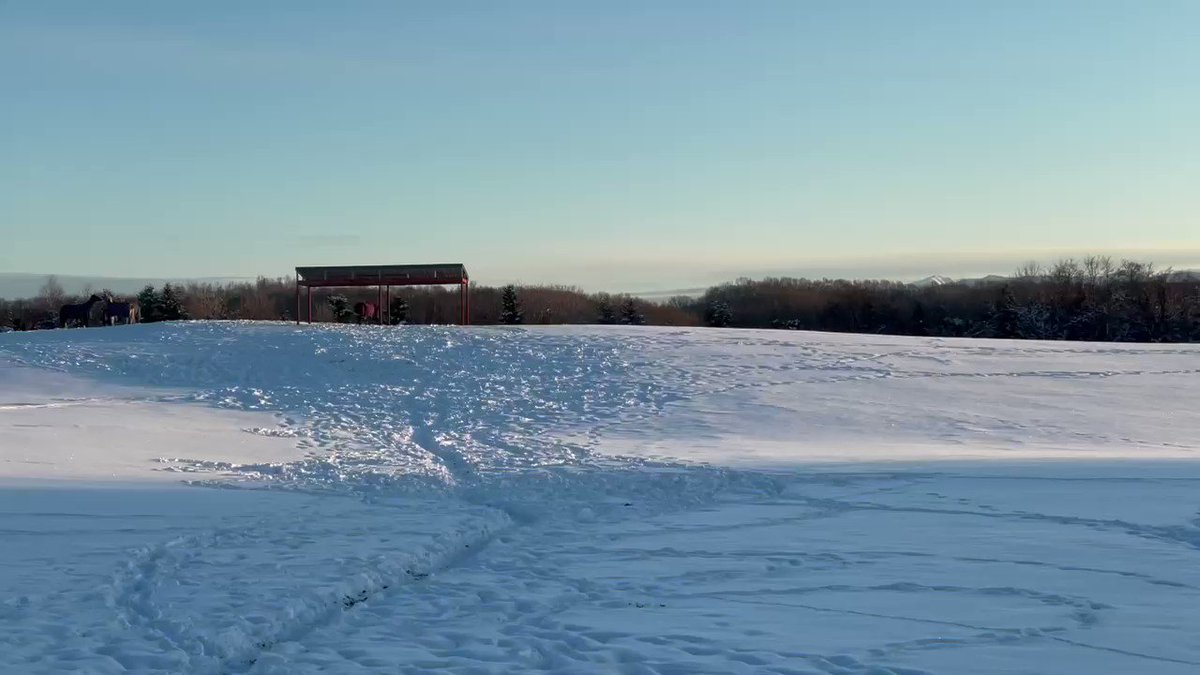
(233, 650)
(1176, 534)
(989, 634)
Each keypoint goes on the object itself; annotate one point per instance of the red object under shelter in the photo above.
(384, 277)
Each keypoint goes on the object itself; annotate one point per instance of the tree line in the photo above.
(1093, 298)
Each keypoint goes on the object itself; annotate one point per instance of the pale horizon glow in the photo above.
(611, 146)
(663, 278)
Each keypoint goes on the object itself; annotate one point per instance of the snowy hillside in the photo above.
(249, 498)
(935, 280)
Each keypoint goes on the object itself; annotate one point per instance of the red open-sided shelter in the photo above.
(384, 277)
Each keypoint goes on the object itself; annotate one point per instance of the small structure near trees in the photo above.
(383, 278)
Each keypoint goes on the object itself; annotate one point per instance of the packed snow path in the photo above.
(607, 500)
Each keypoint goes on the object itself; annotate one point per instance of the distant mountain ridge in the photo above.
(935, 280)
(939, 280)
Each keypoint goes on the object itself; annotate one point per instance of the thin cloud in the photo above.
(314, 240)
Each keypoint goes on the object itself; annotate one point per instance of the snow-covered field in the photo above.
(249, 498)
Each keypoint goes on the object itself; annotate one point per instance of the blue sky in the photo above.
(612, 144)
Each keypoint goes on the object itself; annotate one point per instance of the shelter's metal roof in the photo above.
(382, 275)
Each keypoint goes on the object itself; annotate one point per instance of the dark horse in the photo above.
(80, 312)
(125, 312)
(365, 311)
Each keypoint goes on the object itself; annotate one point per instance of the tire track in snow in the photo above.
(445, 552)
(135, 588)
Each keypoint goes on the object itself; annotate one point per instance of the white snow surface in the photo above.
(58, 427)
(266, 498)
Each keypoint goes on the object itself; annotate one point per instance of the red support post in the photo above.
(465, 302)
(297, 302)
(310, 304)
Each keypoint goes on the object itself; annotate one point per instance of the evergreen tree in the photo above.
(1006, 316)
(340, 306)
(398, 312)
(150, 305)
(605, 313)
(630, 315)
(171, 306)
(510, 312)
(718, 314)
(918, 320)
